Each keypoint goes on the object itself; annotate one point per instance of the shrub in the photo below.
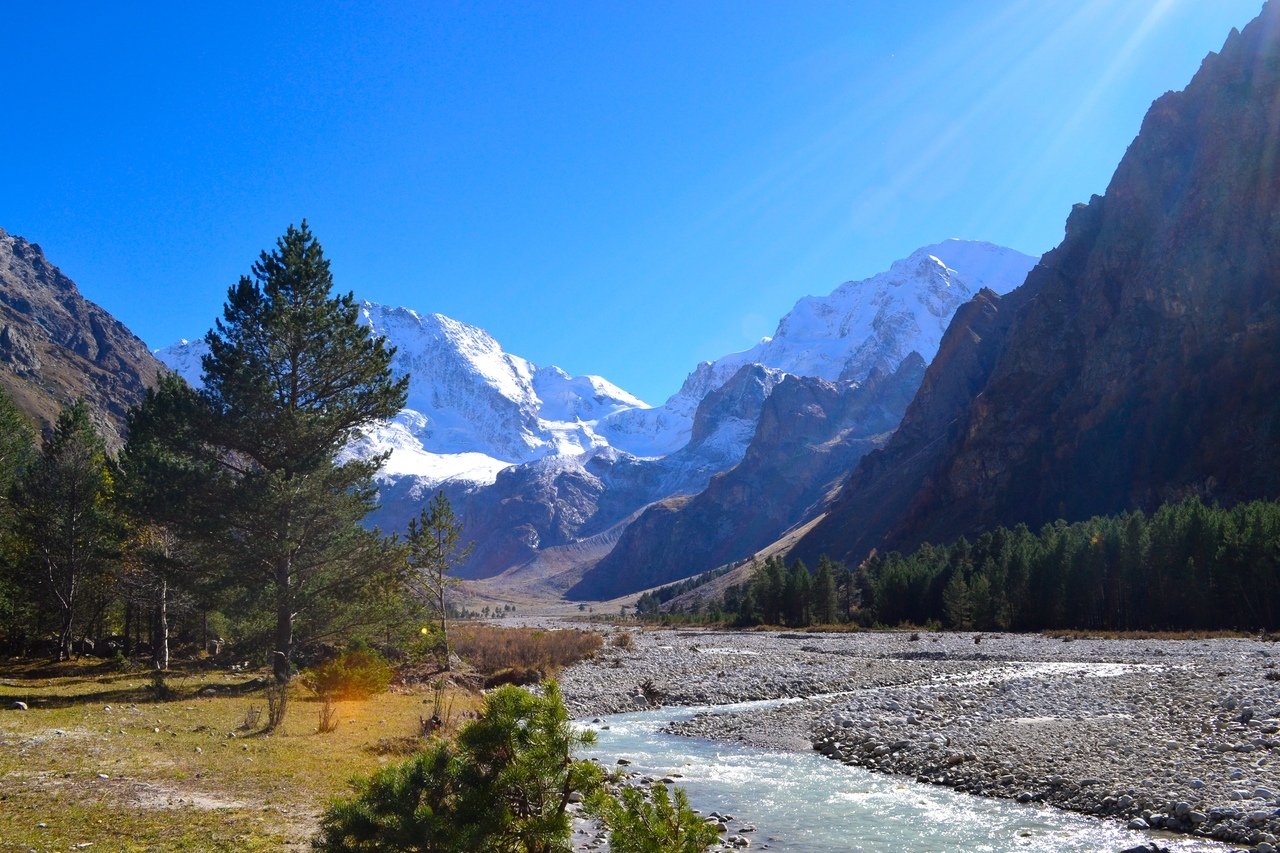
(357, 674)
(622, 640)
(662, 824)
(504, 786)
(492, 650)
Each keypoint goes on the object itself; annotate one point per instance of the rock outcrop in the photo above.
(556, 501)
(1139, 363)
(809, 434)
(55, 345)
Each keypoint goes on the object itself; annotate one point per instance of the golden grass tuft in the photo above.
(492, 650)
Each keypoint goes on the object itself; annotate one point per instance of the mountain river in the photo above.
(803, 802)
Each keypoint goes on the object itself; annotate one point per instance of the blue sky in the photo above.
(616, 188)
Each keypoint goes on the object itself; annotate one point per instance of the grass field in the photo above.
(97, 763)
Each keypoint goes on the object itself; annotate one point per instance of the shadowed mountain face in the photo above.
(55, 345)
(1141, 360)
(810, 432)
(557, 501)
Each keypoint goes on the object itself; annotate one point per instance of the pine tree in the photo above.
(825, 605)
(17, 449)
(768, 587)
(662, 823)
(17, 446)
(955, 603)
(291, 376)
(847, 594)
(435, 552)
(505, 785)
(66, 522)
(798, 596)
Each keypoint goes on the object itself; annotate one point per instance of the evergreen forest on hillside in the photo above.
(1189, 566)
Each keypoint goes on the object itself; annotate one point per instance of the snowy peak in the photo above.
(870, 324)
(579, 398)
(472, 396)
(472, 408)
(183, 358)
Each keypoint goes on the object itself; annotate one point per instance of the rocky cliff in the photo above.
(559, 500)
(1141, 360)
(809, 434)
(55, 345)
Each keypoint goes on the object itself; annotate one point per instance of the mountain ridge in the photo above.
(55, 345)
(1139, 365)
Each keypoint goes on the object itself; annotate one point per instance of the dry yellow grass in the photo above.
(491, 649)
(97, 761)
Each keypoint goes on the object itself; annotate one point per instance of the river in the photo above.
(802, 802)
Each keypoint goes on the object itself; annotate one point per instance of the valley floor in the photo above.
(1177, 734)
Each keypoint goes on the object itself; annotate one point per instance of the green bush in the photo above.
(503, 787)
(358, 674)
(660, 824)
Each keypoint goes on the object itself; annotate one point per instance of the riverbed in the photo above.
(982, 730)
(799, 801)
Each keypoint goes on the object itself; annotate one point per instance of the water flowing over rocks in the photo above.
(1161, 734)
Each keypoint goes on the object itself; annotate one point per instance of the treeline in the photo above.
(793, 596)
(650, 602)
(1188, 566)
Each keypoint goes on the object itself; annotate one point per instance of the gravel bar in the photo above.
(1179, 735)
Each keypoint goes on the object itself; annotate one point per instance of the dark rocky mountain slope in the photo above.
(810, 432)
(557, 501)
(55, 345)
(1139, 363)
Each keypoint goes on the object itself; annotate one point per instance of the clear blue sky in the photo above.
(616, 188)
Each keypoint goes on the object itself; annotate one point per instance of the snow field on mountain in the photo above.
(474, 409)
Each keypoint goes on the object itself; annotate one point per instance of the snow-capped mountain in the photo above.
(875, 322)
(472, 409)
(183, 358)
(536, 458)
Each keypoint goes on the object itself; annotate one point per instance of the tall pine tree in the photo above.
(825, 605)
(291, 377)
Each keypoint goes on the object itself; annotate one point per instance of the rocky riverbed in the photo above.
(1176, 735)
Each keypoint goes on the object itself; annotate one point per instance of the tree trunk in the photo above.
(283, 652)
(128, 626)
(444, 631)
(65, 635)
(162, 656)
